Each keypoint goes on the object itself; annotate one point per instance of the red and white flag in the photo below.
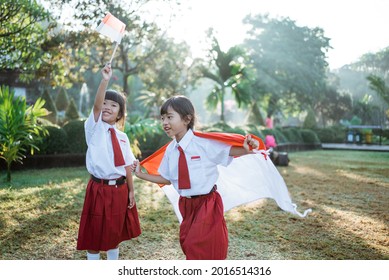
(245, 179)
(111, 27)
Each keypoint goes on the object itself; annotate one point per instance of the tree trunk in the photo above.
(8, 171)
(222, 105)
(255, 116)
(125, 85)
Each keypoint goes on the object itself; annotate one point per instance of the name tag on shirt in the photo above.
(194, 158)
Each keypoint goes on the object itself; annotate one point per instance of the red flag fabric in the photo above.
(246, 179)
(112, 27)
(151, 163)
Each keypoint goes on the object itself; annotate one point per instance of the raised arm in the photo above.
(100, 95)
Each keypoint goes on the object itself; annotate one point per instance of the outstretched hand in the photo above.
(107, 72)
(135, 167)
(250, 143)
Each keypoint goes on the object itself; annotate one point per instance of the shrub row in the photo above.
(68, 139)
(71, 138)
(291, 135)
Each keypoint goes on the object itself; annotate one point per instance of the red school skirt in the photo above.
(203, 231)
(106, 219)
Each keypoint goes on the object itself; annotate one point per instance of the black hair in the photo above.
(183, 106)
(120, 98)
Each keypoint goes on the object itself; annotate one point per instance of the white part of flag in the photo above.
(247, 179)
(112, 27)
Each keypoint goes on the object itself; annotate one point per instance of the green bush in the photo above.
(310, 120)
(326, 135)
(145, 135)
(71, 111)
(62, 100)
(340, 133)
(309, 136)
(293, 135)
(277, 133)
(253, 129)
(56, 142)
(333, 134)
(50, 106)
(223, 127)
(76, 136)
(153, 141)
(19, 128)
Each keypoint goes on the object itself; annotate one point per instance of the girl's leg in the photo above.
(93, 255)
(113, 254)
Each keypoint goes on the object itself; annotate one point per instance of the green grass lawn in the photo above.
(347, 190)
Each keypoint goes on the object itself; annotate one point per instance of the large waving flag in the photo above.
(111, 27)
(245, 179)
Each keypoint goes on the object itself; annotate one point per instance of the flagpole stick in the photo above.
(114, 50)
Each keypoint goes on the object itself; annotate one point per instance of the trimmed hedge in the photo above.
(223, 127)
(76, 136)
(277, 133)
(55, 143)
(71, 138)
(309, 136)
(293, 135)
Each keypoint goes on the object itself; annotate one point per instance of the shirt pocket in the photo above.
(196, 170)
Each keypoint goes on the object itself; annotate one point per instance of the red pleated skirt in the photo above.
(203, 231)
(106, 219)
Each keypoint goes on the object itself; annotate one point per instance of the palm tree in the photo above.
(228, 71)
(19, 131)
(379, 86)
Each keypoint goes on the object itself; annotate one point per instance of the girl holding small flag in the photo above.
(109, 215)
(190, 164)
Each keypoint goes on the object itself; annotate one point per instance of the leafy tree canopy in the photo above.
(25, 39)
(143, 49)
(290, 60)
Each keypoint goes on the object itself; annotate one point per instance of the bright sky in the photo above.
(355, 27)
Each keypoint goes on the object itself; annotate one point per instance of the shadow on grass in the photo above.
(38, 177)
(40, 216)
(349, 220)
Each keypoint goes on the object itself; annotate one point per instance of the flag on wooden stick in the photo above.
(111, 27)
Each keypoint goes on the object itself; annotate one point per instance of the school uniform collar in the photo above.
(107, 126)
(184, 142)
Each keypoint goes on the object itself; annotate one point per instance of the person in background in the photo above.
(269, 121)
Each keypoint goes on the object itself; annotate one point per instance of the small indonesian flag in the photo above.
(111, 27)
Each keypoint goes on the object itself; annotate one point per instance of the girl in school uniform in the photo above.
(203, 231)
(109, 215)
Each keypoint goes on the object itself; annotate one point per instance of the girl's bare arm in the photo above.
(158, 179)
(241, 151)
(100, 95)
(130, 185)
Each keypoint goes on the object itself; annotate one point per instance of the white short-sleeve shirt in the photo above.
(202, 156)
(99, 156)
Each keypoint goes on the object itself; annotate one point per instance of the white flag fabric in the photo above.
(111, 27)
(246, 179)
